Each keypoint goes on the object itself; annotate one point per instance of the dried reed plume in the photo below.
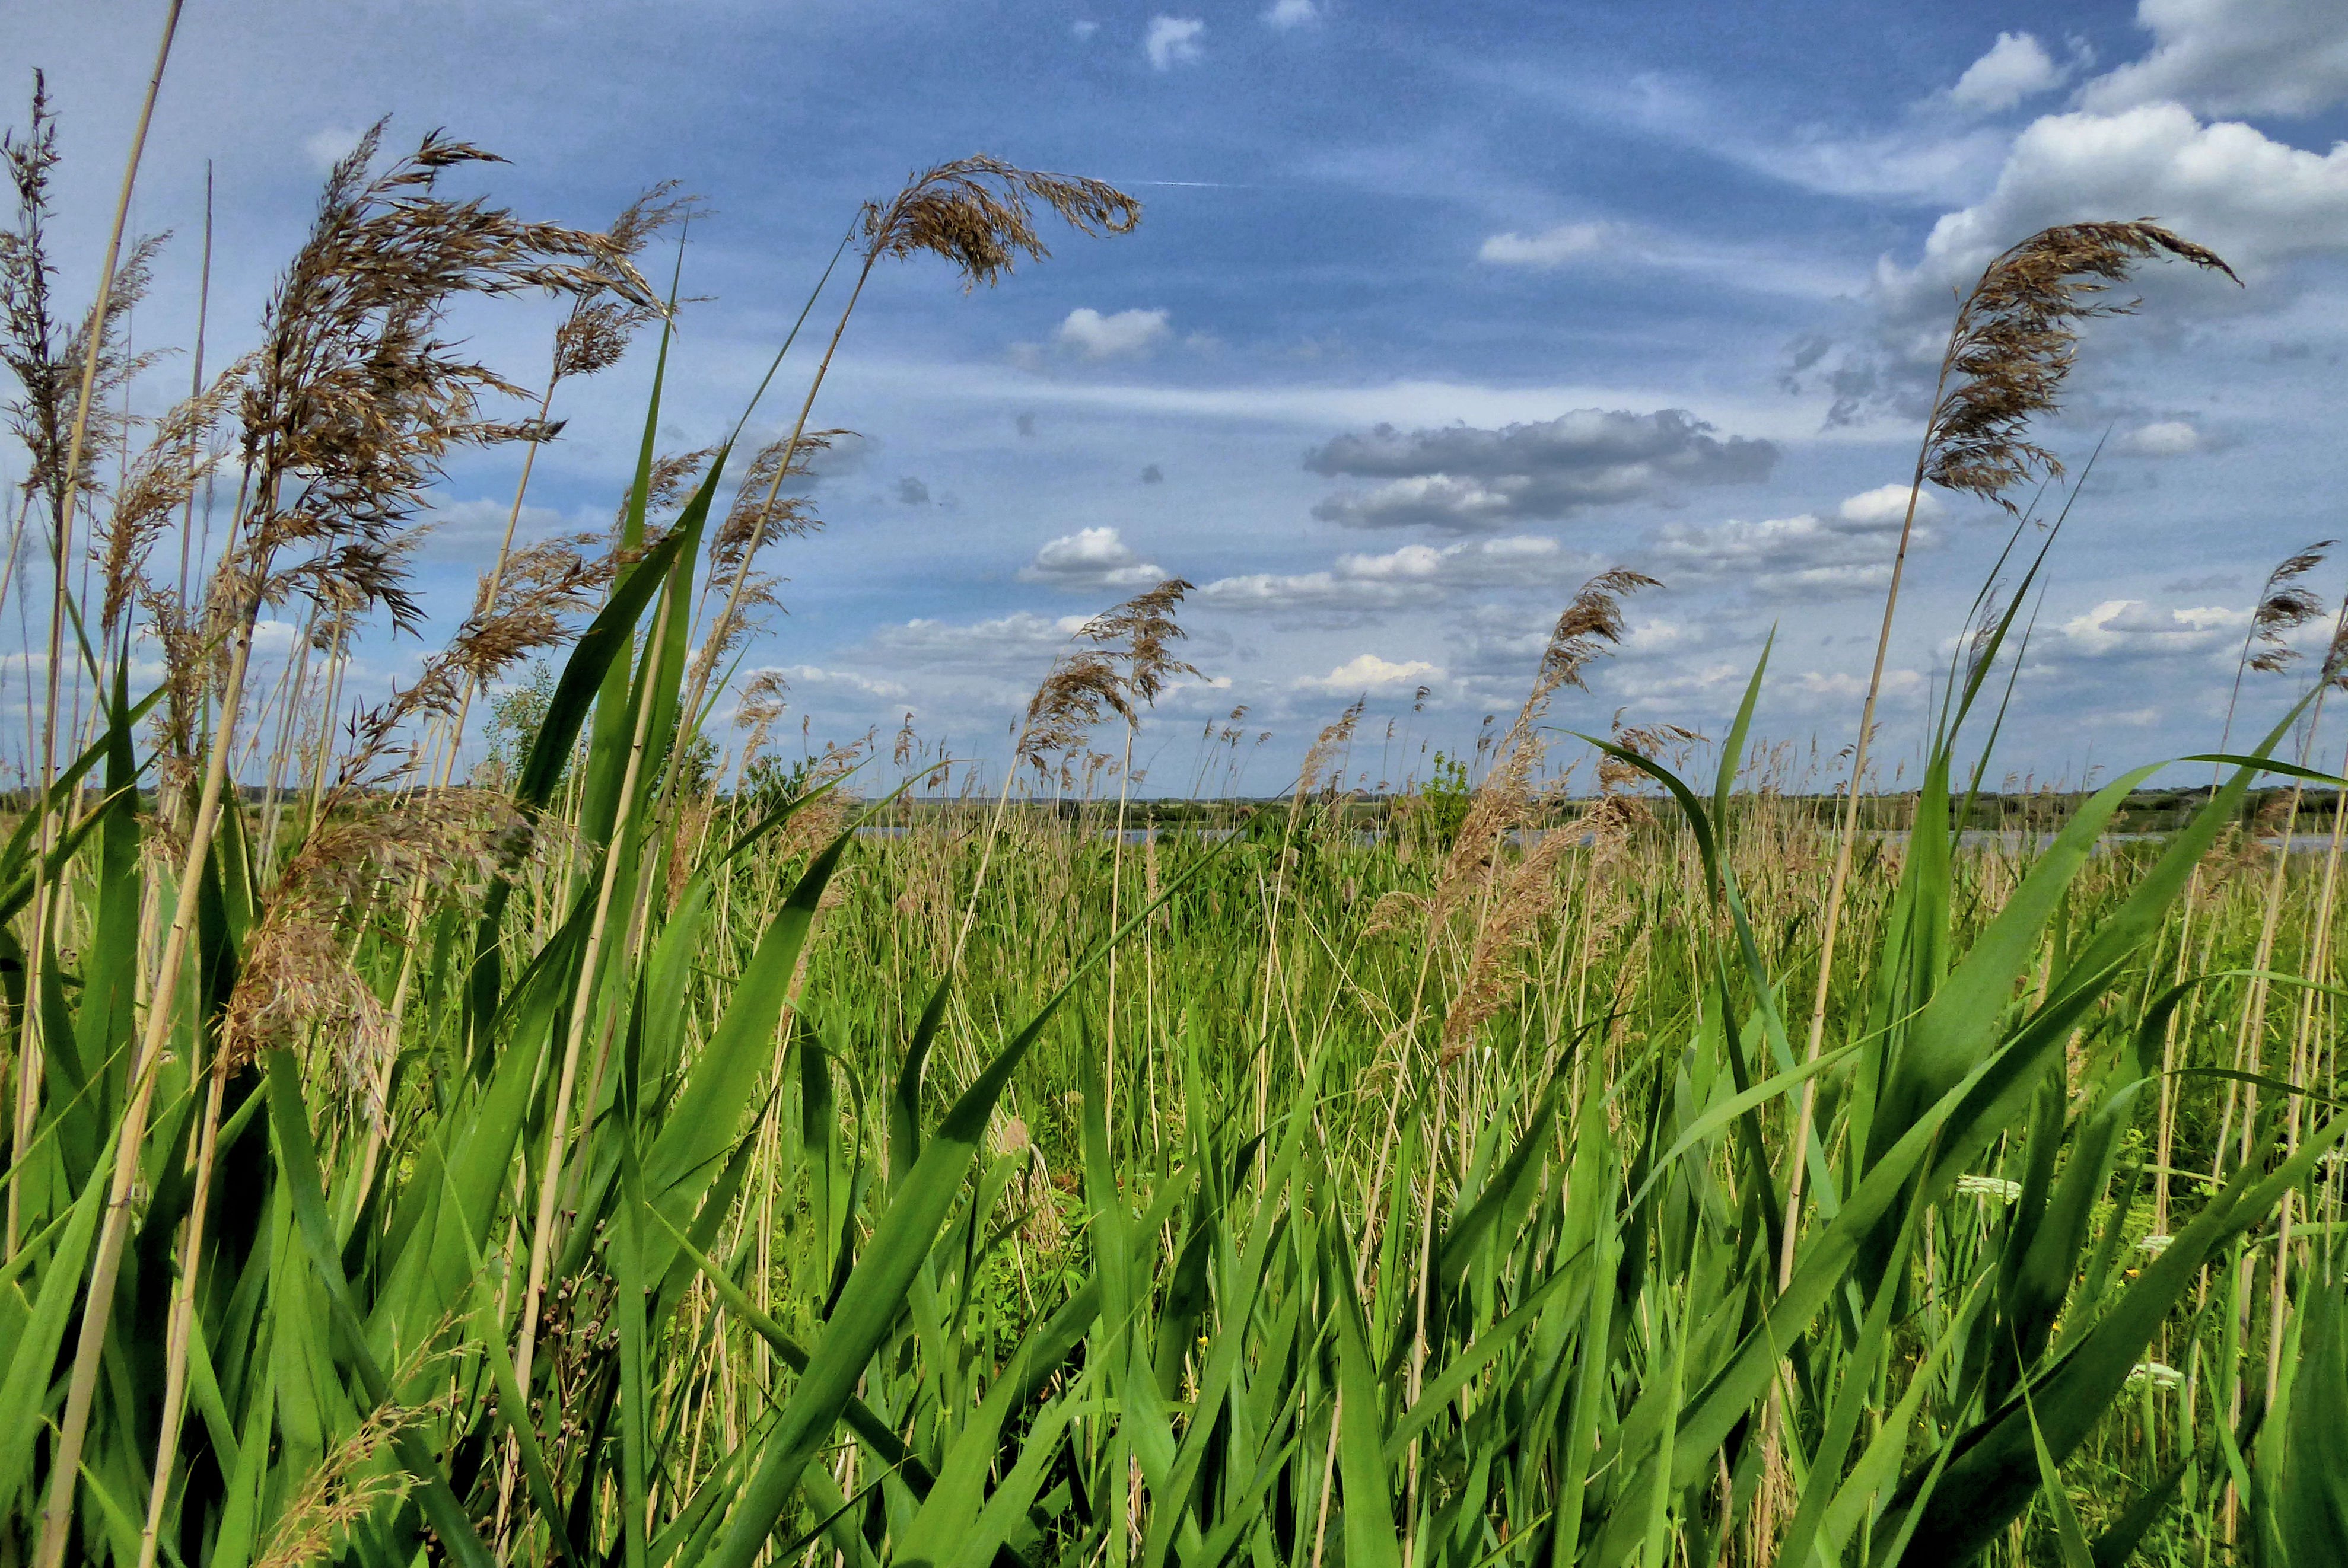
(296, 973)
(352, 403)
(761, 704)
(1519, 895)
(1510, 897)
(350, 1481)
(760, 515)
(1324, 752)
(523, 606)
(2013, 342)
(47, 357)
(758, 512)
(595, 335)
(161, 481)
(669, 482)
(1124, 658)
(1503, 801)
(819, 822)
(978, 213)
(1590, 625)
(2285, 604)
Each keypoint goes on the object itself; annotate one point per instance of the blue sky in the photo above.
(1433, 311)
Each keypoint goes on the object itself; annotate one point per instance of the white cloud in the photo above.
(1021, 639)
(813, 679)
(1091, 558)
(2119, 627)
(1084, 28)
(1172, 41)
(2018, 67)
(2163, 438)
(1413, 575)
(1844, 686)
(1367, 671)
(1921, 157)
(1479, 563)
(1088, 332)
(329, 145)
(1886, 506)
(1550, 248)
(1286, 13)
(2256, 202)
(274, 639)
(2233, 56)
(1722, 261)
(1462, 479)
(1805, 556)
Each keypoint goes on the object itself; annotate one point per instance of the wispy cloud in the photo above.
(1173, 41)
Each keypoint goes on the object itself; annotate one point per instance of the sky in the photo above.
(1433, 313)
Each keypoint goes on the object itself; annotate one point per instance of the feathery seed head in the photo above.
(1124, 660)
(978, 213)
(2285, 604)
(2013, 341)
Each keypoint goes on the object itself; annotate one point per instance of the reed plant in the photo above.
(606, 1158)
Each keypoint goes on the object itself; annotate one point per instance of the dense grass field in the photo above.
(631, 1145)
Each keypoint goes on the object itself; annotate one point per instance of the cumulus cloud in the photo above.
(2130, 628)
(2018, 67)
(2232, 57)
(1551, 247)
(1093, 336)
(1282, 14)
(2163, 438)
(1461, 479)
(1367, 671)
(1806, 555)
(2257, 201)
(1886, 506)
(1172, 41)
(1803, 555)
(1091, 558)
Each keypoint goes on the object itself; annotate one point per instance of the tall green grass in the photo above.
(612, 1169)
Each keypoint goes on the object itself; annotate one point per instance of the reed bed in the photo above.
(640, 1147)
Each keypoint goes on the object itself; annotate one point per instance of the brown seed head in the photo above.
(47, 357)
(2285, 604)
(2013, 341)
(1124, 660)
(978, 213)
(354, 400)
